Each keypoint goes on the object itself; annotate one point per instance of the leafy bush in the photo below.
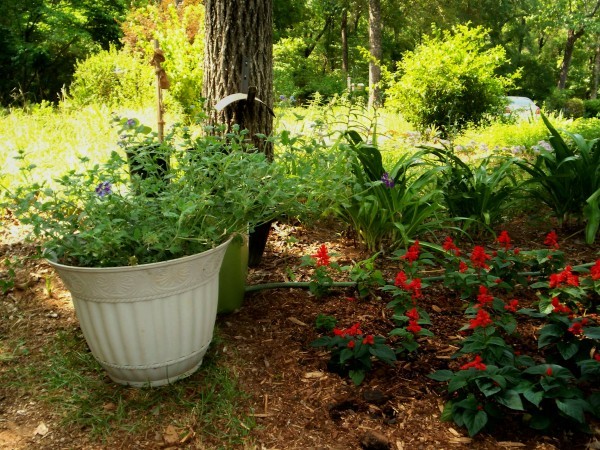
(113, 77)
(295, 74)
(449, 80)
(566, 178)
(573, 108)
(479, 193)
(591, 108)
(389, 207)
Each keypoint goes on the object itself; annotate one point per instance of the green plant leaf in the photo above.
(573, 408)
(475, 421)
(567, 349)
(511, 399)
(357, 376)
(441, 375)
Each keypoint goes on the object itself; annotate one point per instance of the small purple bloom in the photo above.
(103, 189)
(130, 123)
(282, 97)
(387, 181)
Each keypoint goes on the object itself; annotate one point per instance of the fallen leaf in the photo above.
(171, 436)
(510, 444)
(436, 308)
(314, 375)
(41, 430)
(296, 321)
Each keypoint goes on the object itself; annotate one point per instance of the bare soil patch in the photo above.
(295, 402)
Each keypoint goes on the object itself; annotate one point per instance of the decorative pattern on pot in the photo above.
(151, 324)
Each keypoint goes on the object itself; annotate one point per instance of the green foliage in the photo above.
(573, 108)
(449, 81)
(105, 215)
(41, 40)
(301, 76)
(353, 352)
(566, 178)
(591, 108)
(479, 193)
(113, 78)
(387, 209)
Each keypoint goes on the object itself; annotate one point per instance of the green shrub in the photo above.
(591, 108)
(449, 81)
(555, 102)
(112, 77)
(574, 108)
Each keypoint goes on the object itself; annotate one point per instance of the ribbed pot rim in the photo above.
(121, 269)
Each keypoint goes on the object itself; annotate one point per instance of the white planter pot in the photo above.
(151, 324)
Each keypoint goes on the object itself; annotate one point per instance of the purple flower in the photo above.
(387, 181)
(103, 189)
(282, 97)
(130, 123)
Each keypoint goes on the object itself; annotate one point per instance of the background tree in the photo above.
(375, 49)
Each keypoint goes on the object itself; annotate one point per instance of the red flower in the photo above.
(413, 314)
(512, 306)
(576, 328)
(462, 267)
(517, 250)
(477, 363)
(484, 298)
(449, 246)
(597, 356)
(322, 256)
(559, 308)
(595, 270)
(412, 254)
(413, 327)
(400, 280)
(351, 344)
(549, 371)
(552, 240)
(369, 340)
(479, 257)
(564, 278)
(415, 287)
(504, 240)
(352, 331)
(482, 319)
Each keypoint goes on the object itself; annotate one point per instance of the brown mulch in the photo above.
(295, 401)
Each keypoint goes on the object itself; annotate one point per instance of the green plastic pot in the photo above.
(232, 277)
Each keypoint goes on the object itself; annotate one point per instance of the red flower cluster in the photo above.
(577, 327)
(559, 308)
(414, 286)
(479, 257)
(352, 331)
(477, 363)
(401, 279)
(412, 254)
(413, 317)
(449, 246)
(369, 339)
(564, 278)
(552, 240)
(484, 297)
(595, 271)
(462, 267)
(322, 256)
(549, 371)
(504, 240)
(482, 319)
(597, 356)
(512, 305)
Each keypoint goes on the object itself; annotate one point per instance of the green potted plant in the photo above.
(139, 244)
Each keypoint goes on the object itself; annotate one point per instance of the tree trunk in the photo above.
(238, 35)
(572, 37)
(344, 28)
(596, 76)
(239, 31)
(375, 47)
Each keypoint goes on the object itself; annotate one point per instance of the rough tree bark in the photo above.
(375, 48)
(344, 29)
(596, 77)
(238, 29)
(572, 37)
